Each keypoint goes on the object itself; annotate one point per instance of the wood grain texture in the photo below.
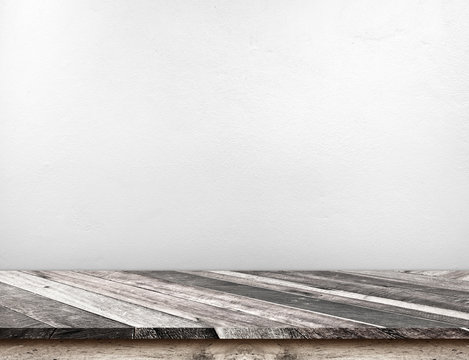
(121, 311)
(382, 304)
(234, 305)
(177, 306)
(260, 309)
(235, 350)
(51, 312)
(450, 304)
(341, 310)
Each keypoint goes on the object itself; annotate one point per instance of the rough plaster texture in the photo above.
(234, 134)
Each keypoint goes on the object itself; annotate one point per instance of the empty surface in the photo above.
(239, 134)
(234, 305)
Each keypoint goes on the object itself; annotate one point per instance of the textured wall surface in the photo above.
(234, 134)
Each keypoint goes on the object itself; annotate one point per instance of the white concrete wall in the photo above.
(281, 134)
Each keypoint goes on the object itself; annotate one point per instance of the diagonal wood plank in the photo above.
(385, 316)
(15, 325)
(117, 310)
(13, 319)
(178, 306)
(416, 297)
(260, 309)
(446, 274)
(412, 278)
(343, 311)
(382, 304)
(445, 294)
(232, 305)
(51, 312)
(376, 294)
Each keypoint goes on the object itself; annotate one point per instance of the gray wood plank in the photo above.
(16, 325)
(261, 333)
(90, 333)
(273, 312)
(121, 311)
(176, 333)
(411, 278)
(51, 312)
(13, 319)
(25, 333)
(377, 294)
(417, 297)
(446, 274)
(182, 307)
(342, 333)
(44, 332)
(305, 333)
(344, 311)
(305, 290)
(446, 295)
(233, 305)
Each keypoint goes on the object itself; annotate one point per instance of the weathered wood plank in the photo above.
(458, 307)
(347, 277)
(232, 305)
(412, 278)
(310, 333)
(344, 311)
(121, 311)
(25, 333)
(447, 274)
(234, 350)
(176, 333)
(51, 312)
(13, 319)
(283, 316)
(343, 333)
(182, 307)
(16, 325)
(89, 333)
(386, 305)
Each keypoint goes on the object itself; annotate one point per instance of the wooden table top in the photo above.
(234, 304)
